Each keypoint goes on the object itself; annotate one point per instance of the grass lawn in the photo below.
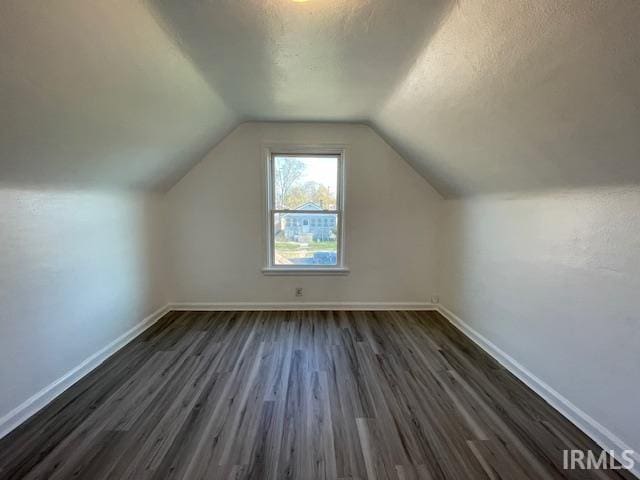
(331, 246)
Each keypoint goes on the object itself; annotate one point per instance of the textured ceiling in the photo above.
(319, 60)
(478, 96)
(94, 92)
(517, 95)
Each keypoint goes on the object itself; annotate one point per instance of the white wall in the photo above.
(554, 281)
(216, 216)
(77, 270)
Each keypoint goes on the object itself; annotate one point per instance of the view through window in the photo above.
(305, 210)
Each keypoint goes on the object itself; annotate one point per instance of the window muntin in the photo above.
(305, 211)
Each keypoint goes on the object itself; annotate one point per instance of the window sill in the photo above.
(311, 272)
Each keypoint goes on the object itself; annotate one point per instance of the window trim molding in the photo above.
(269, 150)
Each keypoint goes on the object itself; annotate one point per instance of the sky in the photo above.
(323, 170)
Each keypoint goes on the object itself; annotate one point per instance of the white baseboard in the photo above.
(292, 306)
(595, 430)
(35, 403)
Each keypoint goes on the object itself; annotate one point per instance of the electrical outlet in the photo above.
(299, 291)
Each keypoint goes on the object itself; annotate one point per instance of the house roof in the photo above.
(309, 206)
(305, 207)
(478, 96)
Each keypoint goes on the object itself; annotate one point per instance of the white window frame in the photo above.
(271, 151)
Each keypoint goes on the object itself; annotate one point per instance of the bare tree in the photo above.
(312, 192)
(287, 172)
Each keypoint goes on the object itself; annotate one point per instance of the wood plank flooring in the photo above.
(297, 395)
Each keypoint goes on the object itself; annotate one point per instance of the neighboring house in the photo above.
(302, 227)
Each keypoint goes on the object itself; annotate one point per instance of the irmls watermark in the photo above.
(603, 460)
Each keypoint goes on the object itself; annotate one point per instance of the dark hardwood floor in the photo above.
(297, 395)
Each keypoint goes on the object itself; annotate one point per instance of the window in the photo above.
(305, 211)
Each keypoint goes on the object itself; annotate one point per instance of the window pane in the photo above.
(305, 239)
(305, 183)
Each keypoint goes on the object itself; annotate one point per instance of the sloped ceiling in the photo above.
(478, 96)
(326, 60)
(95, 92)
(523, 95)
